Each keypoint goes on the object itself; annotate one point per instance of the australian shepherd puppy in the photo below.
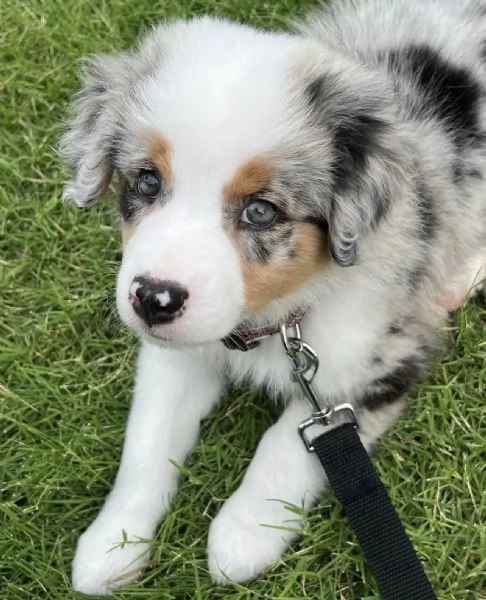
(338, 174)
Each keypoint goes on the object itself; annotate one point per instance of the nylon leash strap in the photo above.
(366, 503)
(388, 550)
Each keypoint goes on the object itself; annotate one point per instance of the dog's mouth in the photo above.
(164, 335)
(178, 333)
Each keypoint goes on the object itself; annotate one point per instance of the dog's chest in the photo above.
(266, 365)
(344, 348)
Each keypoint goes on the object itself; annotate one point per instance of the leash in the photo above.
(387, 548)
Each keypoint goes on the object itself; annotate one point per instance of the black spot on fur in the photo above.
(395, 329)
(380, 202)
(448, 91)
(264, 244)
(90, 122)
(355, 132)
(416, 276)
(113, 150)
(482, 51)
(285, 235)
(126, 203)
(461, 174)
(99, 89)
(285, 240)
(474, 174)
(355, 138)
(321, 224)
(426, 231)
(478, 140)
(96, 91)
(262, 248)
(316, 91)
(376, 360)
(458, 173)
(426, 213)
(394, 385)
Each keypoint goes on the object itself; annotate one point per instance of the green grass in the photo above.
(66, 367)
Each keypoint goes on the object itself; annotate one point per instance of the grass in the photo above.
(66, 367)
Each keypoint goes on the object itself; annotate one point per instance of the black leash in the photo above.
(387, 548)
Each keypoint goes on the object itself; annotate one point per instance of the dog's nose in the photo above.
(157, 301)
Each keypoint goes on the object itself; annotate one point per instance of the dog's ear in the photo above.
(366, 161)
(90, 140)
(362, 183)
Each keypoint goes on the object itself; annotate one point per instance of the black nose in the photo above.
(157, 301)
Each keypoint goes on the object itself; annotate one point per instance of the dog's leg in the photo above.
(249, 533)
(254, 527)
(174, 390)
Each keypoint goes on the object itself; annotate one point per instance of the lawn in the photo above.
(66, 366)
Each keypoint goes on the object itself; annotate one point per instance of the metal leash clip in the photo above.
(305, 364)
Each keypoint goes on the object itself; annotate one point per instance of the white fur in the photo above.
(174, 390)
(187, 256)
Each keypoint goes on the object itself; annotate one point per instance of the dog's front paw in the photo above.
(107, 558)
(241, 546)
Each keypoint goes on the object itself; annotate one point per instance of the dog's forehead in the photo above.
(220, 100)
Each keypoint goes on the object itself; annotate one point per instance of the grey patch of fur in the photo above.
(92, 140)
(89, 143)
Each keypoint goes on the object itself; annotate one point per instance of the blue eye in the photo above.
(259, 213)
(148, 184)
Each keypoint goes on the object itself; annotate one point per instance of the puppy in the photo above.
(335, 176)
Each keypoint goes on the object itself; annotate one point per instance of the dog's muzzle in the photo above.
(157, 302)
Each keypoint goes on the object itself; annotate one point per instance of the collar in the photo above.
(246, 338)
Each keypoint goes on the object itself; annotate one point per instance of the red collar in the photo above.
(246, 338)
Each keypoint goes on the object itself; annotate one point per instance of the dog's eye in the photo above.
(259, 213)
(148, 184)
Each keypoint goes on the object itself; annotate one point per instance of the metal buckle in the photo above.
(305, 364)
(324, 418)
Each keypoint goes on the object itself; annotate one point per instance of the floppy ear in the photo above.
(366, 160)
(363, 179)
(89, 142)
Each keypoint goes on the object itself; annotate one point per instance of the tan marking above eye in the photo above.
(160, 154)
(251, 177)
(275, 279)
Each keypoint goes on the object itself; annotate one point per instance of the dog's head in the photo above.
(249, 164)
